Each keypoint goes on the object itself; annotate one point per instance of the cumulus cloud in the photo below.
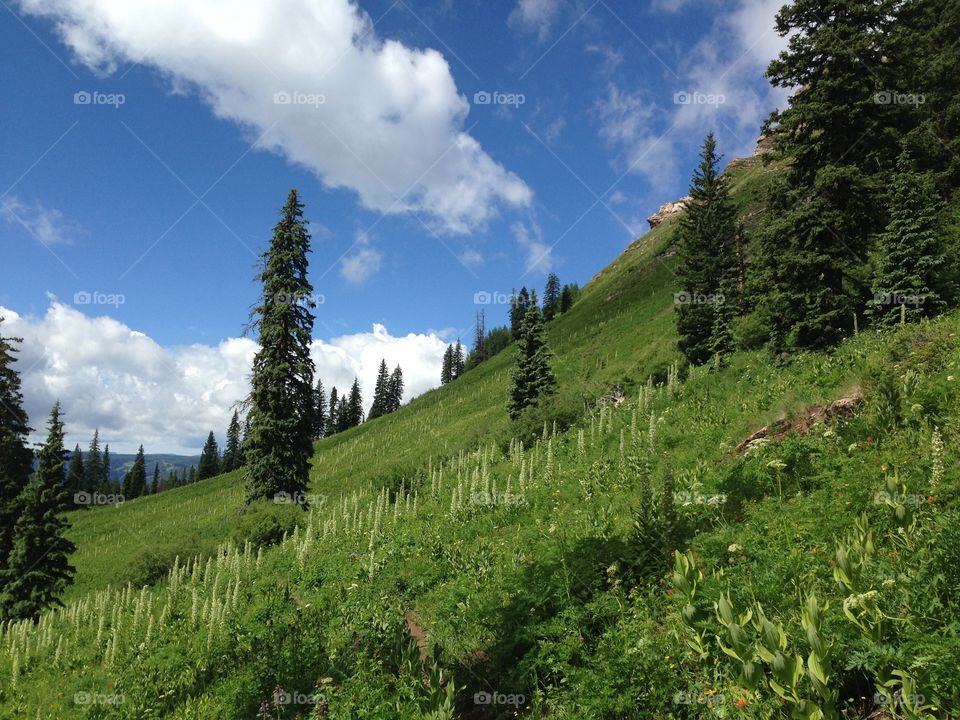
(114, 378)
(361, 265)
(312, 81)
(47, 225)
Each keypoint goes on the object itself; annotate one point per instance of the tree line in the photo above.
(856, 230)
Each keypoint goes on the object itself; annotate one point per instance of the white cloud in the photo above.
(135, 391)
(472, 258)
(363, 264)
(539, 255)
(534, 15)
(361, 112)
(47, 225)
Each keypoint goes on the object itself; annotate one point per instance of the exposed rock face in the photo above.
(667, 210)
(764, 145)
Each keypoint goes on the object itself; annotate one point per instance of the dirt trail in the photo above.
(777, 430)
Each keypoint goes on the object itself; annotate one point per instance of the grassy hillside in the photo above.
(453, 572)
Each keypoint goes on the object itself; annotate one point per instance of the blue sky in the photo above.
(153, 199)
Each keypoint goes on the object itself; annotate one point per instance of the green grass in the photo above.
(553, 597)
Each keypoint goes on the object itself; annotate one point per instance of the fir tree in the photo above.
(459, 362)
(209, 459)
(479, 335)
(75, 479)
(568, 297)
(231, 453)
(93, 472)
(333, 421)
(155, 483)
(319, 411)
(280, 443)
(353, 409)
(343, 415)
(446, 369)
(16, 458)
(532, 376)
(105, 484)
(809, 279)
(381, 401)
(135, 481)
(911, 262)
(706, 238)
(192, 475)
(37, 568)
(551, 297)
(395, 390)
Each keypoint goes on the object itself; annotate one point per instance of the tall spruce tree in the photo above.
(37, 568)
(231, 453)
(105, 483)
(16, 458)
(75, 480)
(343, 414)
(706, 238)
(280, 442)
(319, 411)
(551, 297)
(810, 281)
(135, 481)
(911, 273)
(353, 409)
(532, 376)
(459, 361)
(446, 368)
(93, 472)
(518, 310)
(155, 483)
(395, 390)
(209, 459)
(479, 338)
(381, 401)
(333, 419)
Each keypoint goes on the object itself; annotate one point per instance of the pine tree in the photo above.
(155, 483)
(135, 481)
(333, 421)
(231, 453)
(459, 362)
(810, 275)
(353, 408)
(381, 402)
(93, 472)
(551, 297)
(343, 415)
(319, 411)
(105, 484)
(395, 390)
(706, 239)
(209, 459)
(479, 336)
(16, 458)
(192, 475)
(911, 261)
(37, 568)
(280, 443)
(532, 376)
(446, 369)
(75, 480)
(568, 297)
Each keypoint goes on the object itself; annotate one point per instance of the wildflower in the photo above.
(742, 703)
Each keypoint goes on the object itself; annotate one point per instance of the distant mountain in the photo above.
(121, 463)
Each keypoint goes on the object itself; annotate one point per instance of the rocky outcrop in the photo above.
(764, 146)
(668, 210)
